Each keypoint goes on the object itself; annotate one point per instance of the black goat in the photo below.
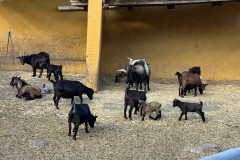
(79, 114)
(137, 73)
(195, 70)
(37, 61)
(189, 107)
(69, 89)
(132, 99)
(55, 69)
(25, 90)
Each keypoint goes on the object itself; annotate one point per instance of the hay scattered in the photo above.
(114, 137)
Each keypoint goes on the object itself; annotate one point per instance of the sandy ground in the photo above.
(37, 130)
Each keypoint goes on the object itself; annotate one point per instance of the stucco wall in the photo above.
(174, 40)
(38, 26)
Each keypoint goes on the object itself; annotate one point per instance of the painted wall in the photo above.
(38, 26)
(169, 40)
(174, 40)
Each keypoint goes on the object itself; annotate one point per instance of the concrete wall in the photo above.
(174, 40)
(38, 26)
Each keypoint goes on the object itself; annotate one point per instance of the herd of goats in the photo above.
(137, 72)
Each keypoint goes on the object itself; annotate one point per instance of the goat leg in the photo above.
(75, 133)
(41, 70)
(186, 116)
(195, 94)
(57, 100)
(130, 112)
(34, 71)
(143, 117)
(125, 110)
(181, 116)
(70, 127)
(203, 118)
(148, 83)
(86, 127)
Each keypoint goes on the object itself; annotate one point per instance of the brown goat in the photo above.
(25, 90)
(193, 80)
(149, 108)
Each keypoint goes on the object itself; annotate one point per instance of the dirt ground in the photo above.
(37, 130)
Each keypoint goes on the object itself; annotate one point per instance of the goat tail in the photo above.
(178, 74)
(53, 82)
(201, 103)
(60, 66)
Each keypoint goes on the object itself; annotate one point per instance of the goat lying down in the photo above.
(189, 107)
(149, 108)
(25, 90)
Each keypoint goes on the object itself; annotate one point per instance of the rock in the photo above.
(203, 147)
(38, 143)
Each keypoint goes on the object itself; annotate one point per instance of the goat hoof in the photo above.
(69, 134)
(74, 138)
(87, 132)
(125, 117)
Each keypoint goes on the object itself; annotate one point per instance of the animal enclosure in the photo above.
(36, 129)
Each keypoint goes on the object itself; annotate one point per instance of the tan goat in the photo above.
(149, 108)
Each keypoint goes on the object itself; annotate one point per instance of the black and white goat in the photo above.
(138, 72)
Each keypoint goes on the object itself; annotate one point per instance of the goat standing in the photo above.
(69, 89)
(138, 72)
(189, 107)
(37, 61)
(80, 113)
(149, 108)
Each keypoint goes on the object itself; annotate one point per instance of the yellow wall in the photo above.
(174, 40)
(169, 40)
(38, 26)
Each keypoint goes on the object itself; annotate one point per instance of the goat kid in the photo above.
(132, 99)
(149, 108)
(189, 107)
(55, 69)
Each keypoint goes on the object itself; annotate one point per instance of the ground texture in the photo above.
(37, 130)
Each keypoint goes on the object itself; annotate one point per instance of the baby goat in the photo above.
(149, 108)
(55, 69)
(189, 107)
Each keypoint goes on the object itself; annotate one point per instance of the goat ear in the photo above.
(19, 77)
(205, 85)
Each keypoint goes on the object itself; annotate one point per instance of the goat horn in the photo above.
(15, 75)
(122, 70)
